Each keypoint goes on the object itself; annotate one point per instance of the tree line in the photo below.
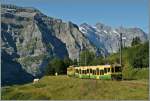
(137, 57)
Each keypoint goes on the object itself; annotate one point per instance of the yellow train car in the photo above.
(97, 72)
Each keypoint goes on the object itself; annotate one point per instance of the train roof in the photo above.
(93, 67)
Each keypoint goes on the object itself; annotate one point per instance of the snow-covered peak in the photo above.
(82, 29)
(106, 37)
(105, 31)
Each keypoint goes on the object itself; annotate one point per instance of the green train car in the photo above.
(96, 72)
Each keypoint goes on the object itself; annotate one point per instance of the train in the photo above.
(102, 72)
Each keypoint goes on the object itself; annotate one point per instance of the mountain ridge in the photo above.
(104, 36)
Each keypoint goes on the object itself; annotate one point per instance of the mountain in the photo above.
(107, 38)
(29, 39)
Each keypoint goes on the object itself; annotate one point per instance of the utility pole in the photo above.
(121, 49)
(79, 59)
(85, 57)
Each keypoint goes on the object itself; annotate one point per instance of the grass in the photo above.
(63, 87)
(136, 73)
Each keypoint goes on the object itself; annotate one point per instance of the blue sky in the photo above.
(127, 13)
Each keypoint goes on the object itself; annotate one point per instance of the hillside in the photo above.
(63, 87)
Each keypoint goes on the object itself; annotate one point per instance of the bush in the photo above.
(135, 60)
(138, 57)
(55, 65)
(58, 65)
(135, 73)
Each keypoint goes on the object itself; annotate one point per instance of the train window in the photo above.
(90, 70)
(93, 72)
(97, 71)
(87, 70)
(105, 70)
(101, 72)
(112, 69)
(108, 69)
(82, 71)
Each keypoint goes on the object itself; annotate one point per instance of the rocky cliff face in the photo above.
(107, 38)
(30, 39)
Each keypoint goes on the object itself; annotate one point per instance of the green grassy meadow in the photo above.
(64, 87)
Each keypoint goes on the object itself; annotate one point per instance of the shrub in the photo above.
(58, 65)
(138, 57)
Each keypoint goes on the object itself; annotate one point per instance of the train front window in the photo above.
(117, 69)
